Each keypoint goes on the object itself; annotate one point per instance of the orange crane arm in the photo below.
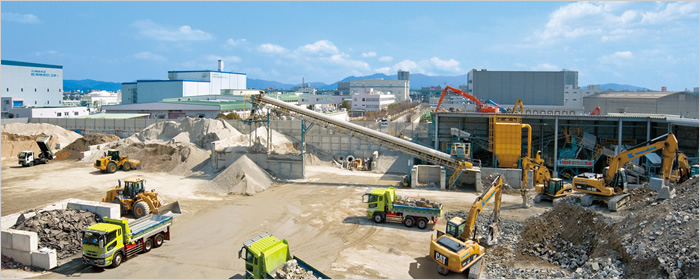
(468, 96)
(596, 112)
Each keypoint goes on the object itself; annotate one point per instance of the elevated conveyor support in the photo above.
(395, 143)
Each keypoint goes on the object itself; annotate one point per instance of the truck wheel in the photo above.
(148, 245)
(111, 167)
(117, 259)
(141, 209)
(158, 240)
(126, 166)
(408, 222)
(30, 164)
(422, 223)
(378, 218)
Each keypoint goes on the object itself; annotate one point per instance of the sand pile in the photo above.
(242, 177)
(59, 229)
(73, 151)
(17, 137)
(281, 144)
(200, 132)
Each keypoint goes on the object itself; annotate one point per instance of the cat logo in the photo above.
(440, 258)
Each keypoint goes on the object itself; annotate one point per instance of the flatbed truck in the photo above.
(265, 255)
(382, 207)
(113, 241)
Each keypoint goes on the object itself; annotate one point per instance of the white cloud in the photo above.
(383, 70)
(235, 43)
(20, 18)
(229, 59)
(45, 53)
(155, 31)
(386, 58)
(448, 65)
(272, 48)
(618, 58)
(546, 67)
(344, 60)
(322, 46)
(149, 56)
(671, 11)
(369, 54)
(409, 65)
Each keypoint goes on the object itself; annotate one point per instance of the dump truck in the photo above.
(383, 206)
(28, 158)
(113, 241)
(112, 161)
(134, 198)
(267, 257)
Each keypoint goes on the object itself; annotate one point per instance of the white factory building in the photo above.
(399, 88)
(31, 90)
(183, 84)
(368, 99)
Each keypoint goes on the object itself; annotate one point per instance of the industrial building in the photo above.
(682, 104)
(179, 109)
(183, 84)
(532, 87)
(399, 88)
(30, 84)
(48, 112)
(368, 99)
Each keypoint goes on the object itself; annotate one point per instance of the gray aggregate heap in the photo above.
(58, 229)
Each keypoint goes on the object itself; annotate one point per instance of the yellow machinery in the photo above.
(546, 187)
(112, 161)
(505, 139)
(681, 174)
(457, 249)
(611, 187)
(134, 197)
(515, 107)
(356, 164)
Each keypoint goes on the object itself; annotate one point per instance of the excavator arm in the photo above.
(540, 172)
(493, 193)
(669, 146)
(683, 172)
(468, 96)
(518, 103)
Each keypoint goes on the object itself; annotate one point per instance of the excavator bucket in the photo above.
(492, 238)
(173, 208)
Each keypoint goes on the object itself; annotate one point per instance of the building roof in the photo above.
(29, 64)
(199, 71)
(223, 105)
(634, 94)
(112, 116)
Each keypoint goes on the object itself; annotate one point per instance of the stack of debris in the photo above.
(10, 263)
(58, 229)
(416, 202)
(292, 270)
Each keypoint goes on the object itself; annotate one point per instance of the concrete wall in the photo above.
(511, 176)
(22, 246)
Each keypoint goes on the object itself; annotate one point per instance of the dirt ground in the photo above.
(322, 217)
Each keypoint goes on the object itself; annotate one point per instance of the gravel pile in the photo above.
(600, 268)
(74, 150)
(9, 263)
(292, 270)
(243, 176)
(58, 229)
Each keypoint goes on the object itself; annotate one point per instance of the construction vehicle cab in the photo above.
(264, 255)
(134, 197)
(458, 248)
(112, 161)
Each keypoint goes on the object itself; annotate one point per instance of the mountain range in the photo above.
(417, 81)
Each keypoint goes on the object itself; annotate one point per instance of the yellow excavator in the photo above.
(515, 107)
(546, 187)
(458, 249)
(611, 187)
(134, 197)
(681, 174)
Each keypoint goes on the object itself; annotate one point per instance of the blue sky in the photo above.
(648, 44)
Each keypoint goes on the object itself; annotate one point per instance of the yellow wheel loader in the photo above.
(611, 187)
(111, 162)
(134, 198)
(458, 249)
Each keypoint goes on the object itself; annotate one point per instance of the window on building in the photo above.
(47, 90)
(75, 113)
(7, 101)
(21, 89)
(34, 89)
(8, 90)
(58, 114)
(34, 102)
(59, 90)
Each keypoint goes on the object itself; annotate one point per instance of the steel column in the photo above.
(556, 147)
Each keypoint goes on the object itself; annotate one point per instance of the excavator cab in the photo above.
(455, 227)
(555, 185)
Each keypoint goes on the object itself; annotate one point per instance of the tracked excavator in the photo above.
(611, 187)
(546, 187)
(458, 248)
(682, 173)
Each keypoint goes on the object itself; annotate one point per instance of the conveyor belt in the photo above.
(395, 143)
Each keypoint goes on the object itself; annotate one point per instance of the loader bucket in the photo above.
(173, 208)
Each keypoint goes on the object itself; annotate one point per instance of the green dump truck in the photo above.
(267, 257)
(114, 241)
(384, 206)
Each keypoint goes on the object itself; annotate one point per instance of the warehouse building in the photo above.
(682, 104)
(30, 84)
(183, 84)
(366, 100)
(532, 87)
(400, 88)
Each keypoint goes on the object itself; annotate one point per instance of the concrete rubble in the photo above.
(58, 229)
(292, 270)
(9, 263)
(416, 202)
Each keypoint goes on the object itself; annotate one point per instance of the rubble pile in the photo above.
(292, 270)
(58, 229)
(486, 182)
(416, 202)
(9, 263)
(600, 268)
(73, 151)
